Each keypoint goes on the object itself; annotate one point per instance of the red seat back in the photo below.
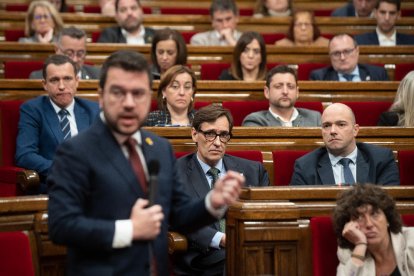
(15, 254)
(13, 35)
(402, 69)
(271, 38)
(324, 246)
(405, 164)
(304, 69)
(408, 219)
(187, 36)
(212, 71)
(317, 106)
(17, 7)
(283, 165)
(240, 109)
(368, 113)
(20, 69)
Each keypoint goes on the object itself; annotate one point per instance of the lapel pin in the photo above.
(149, 141)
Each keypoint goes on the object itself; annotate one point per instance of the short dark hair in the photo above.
(168, 77)
(117, 3)
(291, 34)
(210, 114)
(58, 60)
(394, 2)
(167, 34)
(245, 39)
(361, 194)
(343, 34)
(280, 69)
(126, 60)
(223, 5)
(72, 32)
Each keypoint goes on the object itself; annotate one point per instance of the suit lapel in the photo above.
(363, 73)
(81, 117)
(362, 168)
(196, 176)
(325, 170)
(272, 120)
(332, 75)
(52, 120)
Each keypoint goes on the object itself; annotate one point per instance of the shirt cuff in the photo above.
(123, 234)
(215, 242)
(217, 213)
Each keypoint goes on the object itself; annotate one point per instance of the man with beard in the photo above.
(130, 30)
(101, 205)
(343, 161)
(282, 91)
(387, 12)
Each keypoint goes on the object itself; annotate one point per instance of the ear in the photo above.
(356, 129)
(163, 93)
(44, 84)
(194, 134)
(266, 92)
(100, 99)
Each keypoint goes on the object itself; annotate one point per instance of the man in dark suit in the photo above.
(71, 42)
(358, 8)
(342, 160)
(211, 130)
(98, 204)
(387, 12)
(344, 55)
(39, 129)
(130, 30)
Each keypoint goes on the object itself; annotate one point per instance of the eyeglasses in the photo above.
(211, 135)
(338, 54)
(137, 95)
(302, 24)
(71, 54)
(40, 16)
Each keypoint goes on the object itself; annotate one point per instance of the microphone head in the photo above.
(153, 167)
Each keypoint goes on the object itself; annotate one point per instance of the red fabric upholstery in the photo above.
(283, 164)
(254, 155)
(407, 12)
(408, 219)
(271, 38)
(317, 106)
(212, 71)
(270, 65)
(13, 35)
(322, 12)
(95, 36)
(240, 109)
(402, 69)
(405, 164)
(17, 7)
(97, 9)
(187, 36)
(20, 69)
(324, 246)
(368, 113)
(304, 69)
(15, 254)
(178, 10)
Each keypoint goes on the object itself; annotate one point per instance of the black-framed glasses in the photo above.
(346, 53)
(211, 135)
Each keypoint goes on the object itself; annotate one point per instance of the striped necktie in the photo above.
(64, 123)
(348, 177)
(214, 172)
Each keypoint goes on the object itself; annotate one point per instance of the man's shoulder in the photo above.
(405, 39)
(201, 38)
(239, 160)
(320, 74)
(365, 38)
(346, 10)
(313, 156)
(86, 103)
(39, 101)
(35, 75)
(308, 112)
(370, 148)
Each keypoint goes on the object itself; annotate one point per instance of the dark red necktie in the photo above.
(136, 163)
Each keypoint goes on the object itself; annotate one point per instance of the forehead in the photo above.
(223, 14)
(341, 42)
(336, 113)
(68, 42)
(128, 80)
(126, 3)
(182, 77)
(253, 44)
(169, 43)
(61, 69)
(303, 16)
(220, 124)
(282, 78)
(387, 6)
(40, 10)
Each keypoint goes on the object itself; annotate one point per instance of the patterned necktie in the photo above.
(64, 123)
(348, 177)
(136, 163)
(214, 172)
(348, 77)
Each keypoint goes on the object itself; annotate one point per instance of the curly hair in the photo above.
(362, 194)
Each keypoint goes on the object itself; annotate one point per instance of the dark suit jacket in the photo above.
(114, 35)
(372, 39)
(374, 165)
(39, 131)
(389, 118)
(92, 185)
(367, 73)
(88, 72)
(196, 185)
(345, 11)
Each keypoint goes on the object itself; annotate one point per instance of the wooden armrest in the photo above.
(176, 242)
(28, 180)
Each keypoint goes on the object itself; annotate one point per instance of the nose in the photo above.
(217, 141)
(250, 54)
(333, 128)
(164, 56)
(181, 90)
(368, 222)
(61, 85)
(129, 100)
(387, 16)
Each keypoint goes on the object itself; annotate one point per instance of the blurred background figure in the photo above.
(275, 8)
(107, 7)
(358, 8)
(401, 112)
(168, 49)
(175, 98)
(303, 31)
(60, 5)
(371, 237)
(43, 23)
(249, 59)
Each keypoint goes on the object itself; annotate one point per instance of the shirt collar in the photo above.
(355, 73)
(387, 40)
(141, 33)
(335, 159)
(206, 167)
(294, 116)
(69, 108)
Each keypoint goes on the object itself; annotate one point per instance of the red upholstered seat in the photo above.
(15, 254)
(322, 12)
(368, 113)
(97, 9)
(402, 69)
(271, 38)
(405, 164)
(283, 165)
(17, 7)
(179, 10)
(317, 106)
(187, 36)
(304, 69)
(20, 69)
(408, 219)
(212, 71)
(13, 35)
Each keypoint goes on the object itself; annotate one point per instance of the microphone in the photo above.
(153, 169)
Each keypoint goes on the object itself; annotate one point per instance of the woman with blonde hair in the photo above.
(401, 112)
(43, 23)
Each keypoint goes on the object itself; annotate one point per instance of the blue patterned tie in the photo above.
(348, 177)
(64, 123)
(348, 77)
(214, 173)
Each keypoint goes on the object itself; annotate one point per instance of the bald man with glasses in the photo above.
(71, 42)
(344, 56)
(211, 131)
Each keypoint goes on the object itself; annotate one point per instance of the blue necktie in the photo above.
(348, 177)
(214, 172)
(348, 77)
(64, 123)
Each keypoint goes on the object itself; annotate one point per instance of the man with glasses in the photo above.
(71, 42)
(211, 131)
(344, 55)
(47, 121)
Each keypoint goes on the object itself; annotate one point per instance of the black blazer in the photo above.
(374, 165)
(196, 185)
(345, 11)
(389, 118)
(367, 73)
(372, 39)
(114, 35)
